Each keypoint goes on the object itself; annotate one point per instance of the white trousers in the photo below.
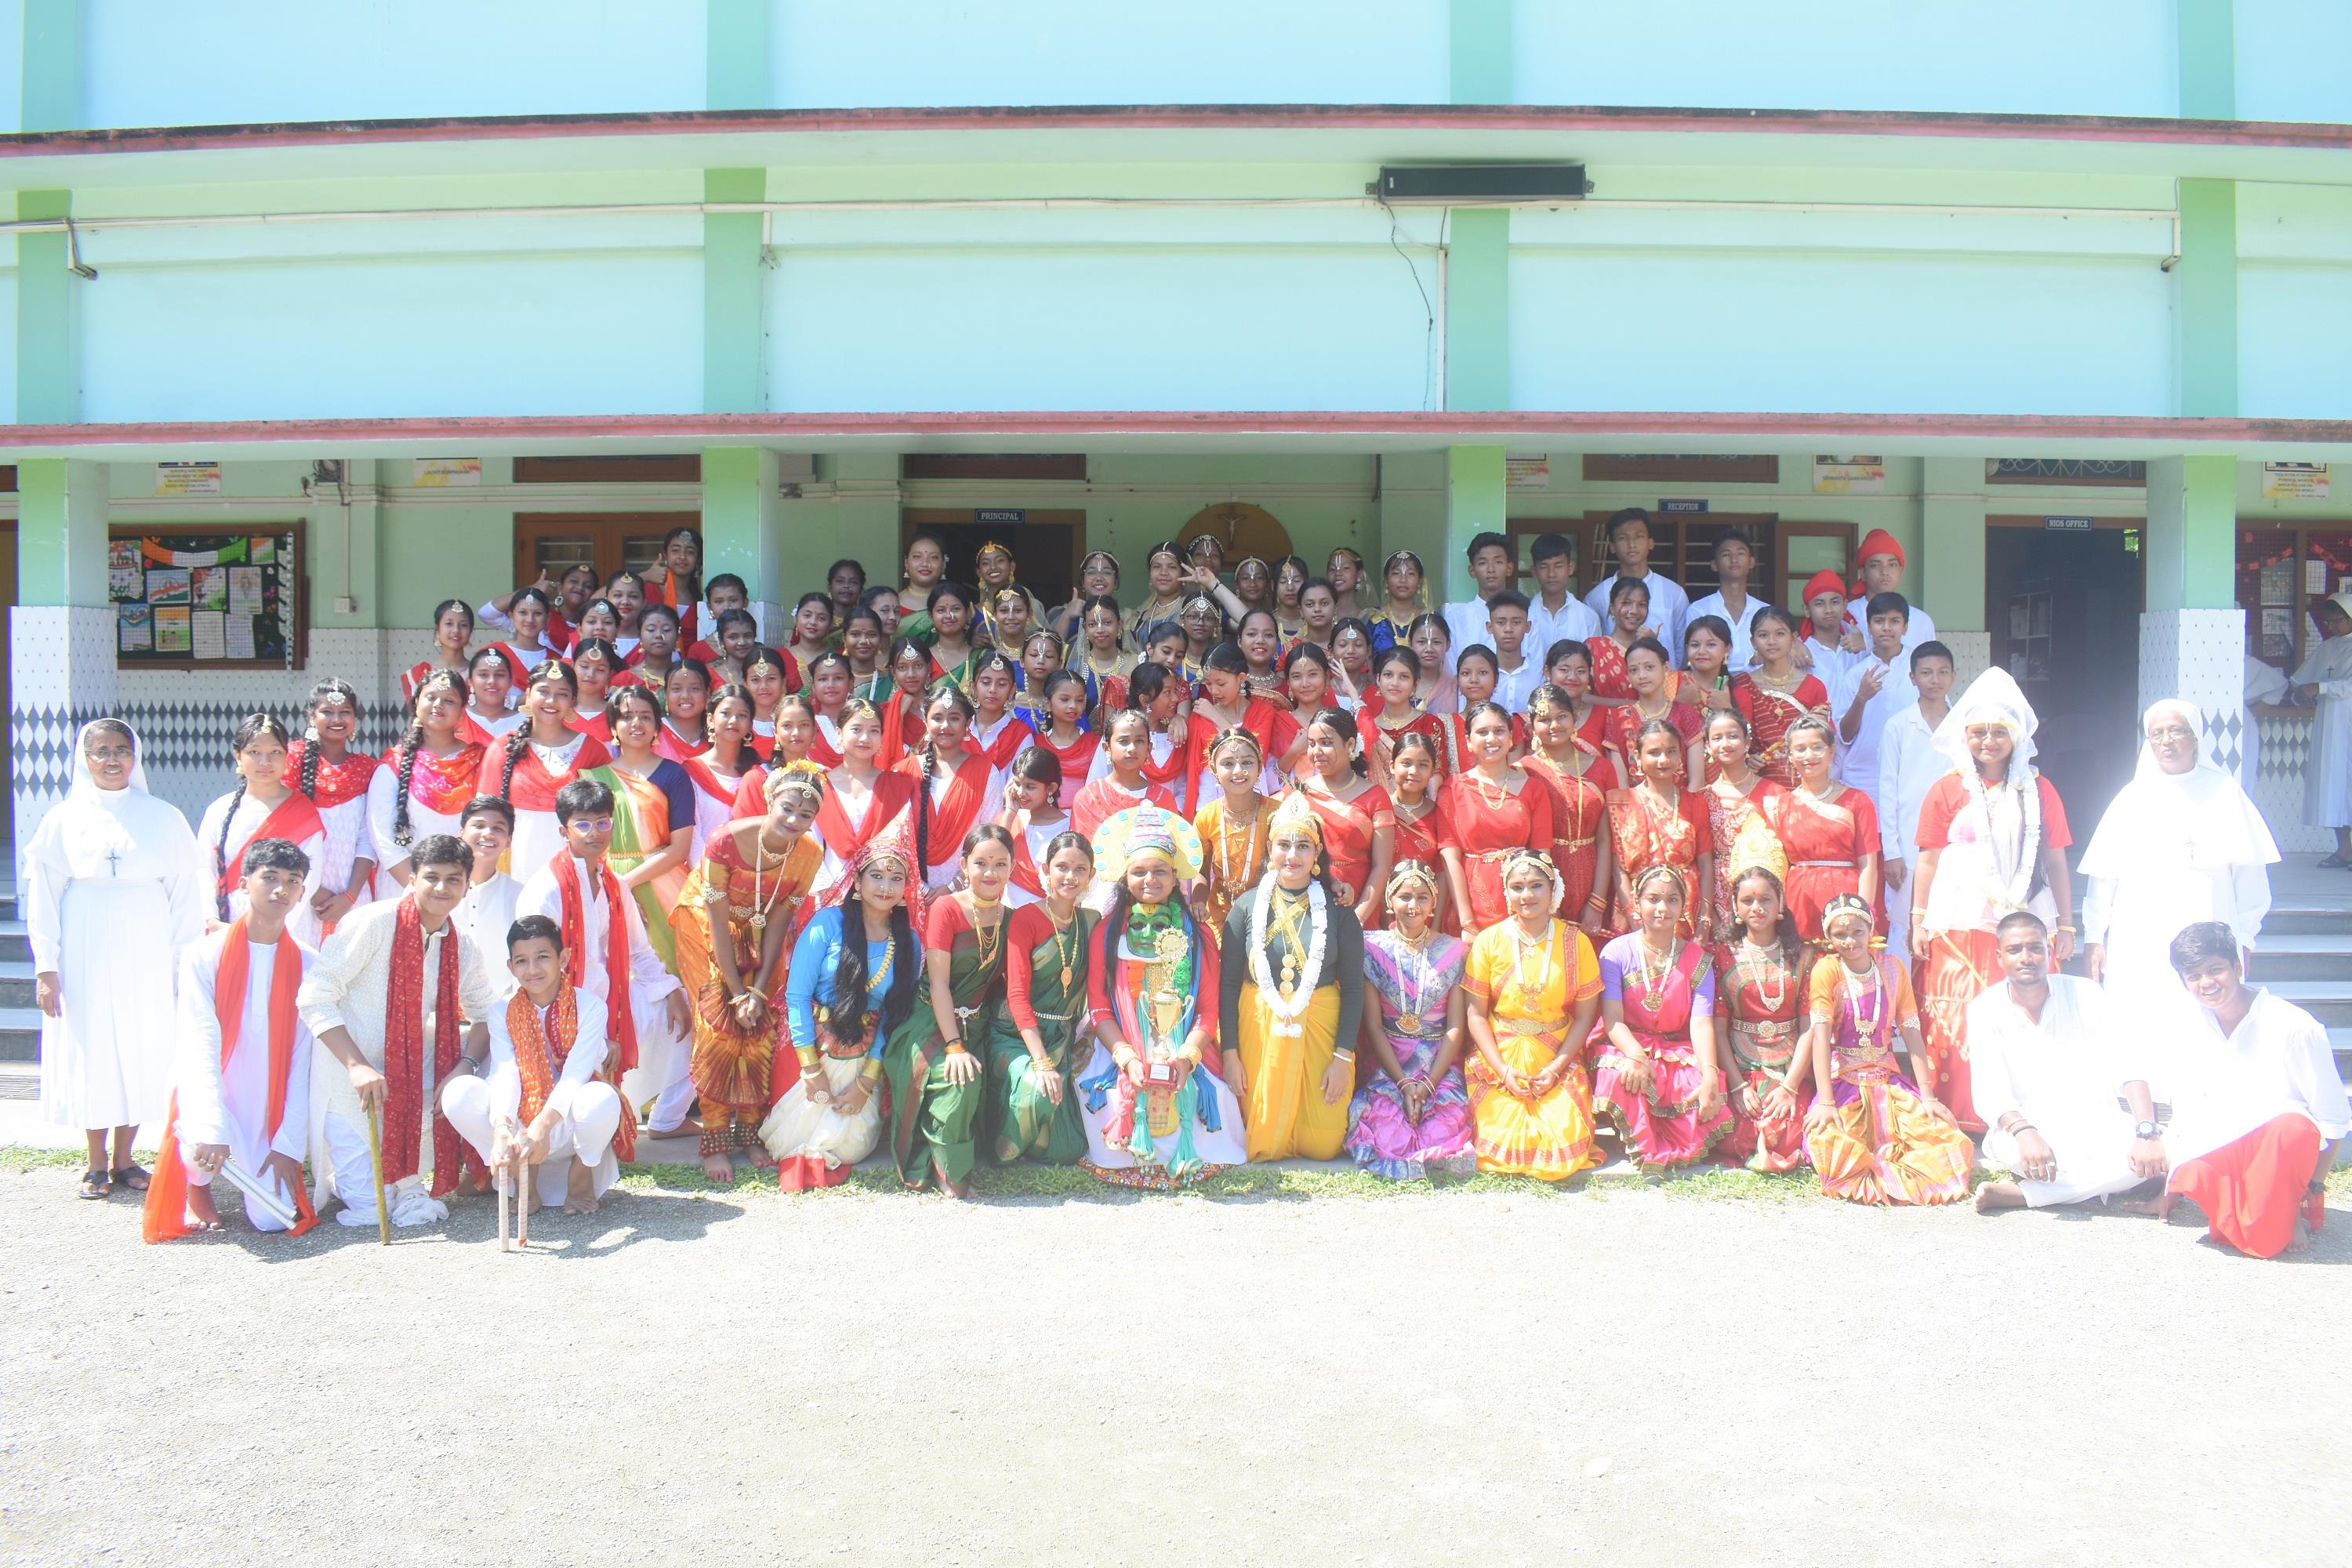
(586, 1118)
(2093, 1146)
(353, 1173)
(255, 1214)
(664, 1073)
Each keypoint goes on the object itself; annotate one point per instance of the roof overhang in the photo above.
(1368, 134)
(1893, 434)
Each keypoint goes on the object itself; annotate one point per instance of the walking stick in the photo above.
(375, 1160)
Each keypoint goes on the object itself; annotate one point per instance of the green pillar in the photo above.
(2208, 281)
(51, 71)
(2192, 534)
(863, 519)
(60, 532)
(733, 360)
(1479, 308)
(1476, 491)
(741, 530)
(1950, 572)
(49, 318)
(2208, 59)
(1479, 36)
(735, 36)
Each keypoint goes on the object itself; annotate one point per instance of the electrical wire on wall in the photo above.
(1428, 309)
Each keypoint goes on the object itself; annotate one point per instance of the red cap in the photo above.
(1824, 582)
(1878, 541)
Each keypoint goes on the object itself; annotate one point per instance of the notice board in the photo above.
(204, 597)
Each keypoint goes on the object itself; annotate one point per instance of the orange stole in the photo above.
(538, 1058)
(166, 1214)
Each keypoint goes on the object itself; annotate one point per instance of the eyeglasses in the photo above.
(2171, 735)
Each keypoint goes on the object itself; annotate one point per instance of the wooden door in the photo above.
(1801, 549)
(1046, 543)
(552, 543)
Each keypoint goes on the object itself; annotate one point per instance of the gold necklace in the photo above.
(1225, 872)
(1291, 910)
(1654, 979)
(1520, 942)
(1788, 682)
(759, 917)
(1755, 958)
(1501, 792)
(990, 938)
(1068, 955)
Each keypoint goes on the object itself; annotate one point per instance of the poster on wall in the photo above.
(2294, 482)
(1835, 476)
(447, 473)
(190, 599)
(1527, 473)
(187, 478)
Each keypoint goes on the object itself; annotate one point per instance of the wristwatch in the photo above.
(2147, 1129)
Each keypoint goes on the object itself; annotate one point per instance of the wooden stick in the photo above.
(522, 1209)
(375, 1160)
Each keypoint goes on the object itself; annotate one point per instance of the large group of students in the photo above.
(1234, 865)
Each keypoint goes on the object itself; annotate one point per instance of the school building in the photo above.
(320, 313)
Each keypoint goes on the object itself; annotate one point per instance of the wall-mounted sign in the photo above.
(1848, 476)
(1526, 473)
(2067, 524)
(187, 478)
(2294, 482)
(447, 473)
(1001, 514)
(1687, 508)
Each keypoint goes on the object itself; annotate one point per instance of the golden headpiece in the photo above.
(1680, 878)
(803, 777)
(1411, 871)
(1756, 848)
(1520, 858)
(1145, 832)
(1293, 814)
(1846, 906)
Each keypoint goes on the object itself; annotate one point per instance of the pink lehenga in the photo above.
(1412, 990)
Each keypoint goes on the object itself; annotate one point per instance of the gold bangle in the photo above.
(956, 1048)
(809, 1055)
(871, 1072)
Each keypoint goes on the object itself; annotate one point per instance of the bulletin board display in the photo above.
(203, 598)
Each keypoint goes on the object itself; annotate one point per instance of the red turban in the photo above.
(1824, 582)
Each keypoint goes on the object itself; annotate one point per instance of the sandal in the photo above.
(133, 1176)
(2335, 863)
(95, 1184)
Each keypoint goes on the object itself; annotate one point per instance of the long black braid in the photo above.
(307, 780)
(945, 691)
(519, 741)
(850, 977)
(252, 728)
(411, 741)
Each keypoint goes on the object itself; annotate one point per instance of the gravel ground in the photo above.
(1632, 1377)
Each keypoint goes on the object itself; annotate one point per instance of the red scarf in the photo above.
(338, 783)
(1007, 745)
(677, 747)
(166, 1211)
(295, 818)
(710, 782)
(441, 784)
(957, 809)
(616, 972)
(1182, 768)
(891, 791)
(404, 1051)
(534, 787)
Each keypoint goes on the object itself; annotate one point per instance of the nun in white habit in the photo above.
(114, 884)
(2180, 845)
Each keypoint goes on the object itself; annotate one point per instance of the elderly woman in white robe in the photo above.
(115, 884)
(2182, 843)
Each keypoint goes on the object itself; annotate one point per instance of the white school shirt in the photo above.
(484, 915)
(1573, 619)
(2067, 1069)
(1514, 686)
(1743, 650)
(1908, 767)
(2276, 1061)
(1467, 623)
(1670, 610)
(1857, 760)
(231, 1106)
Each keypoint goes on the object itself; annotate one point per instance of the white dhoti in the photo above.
(587, 1116)
(662, 1080)
(2093, 1145)
(799, 1128)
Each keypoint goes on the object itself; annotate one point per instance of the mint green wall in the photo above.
(2294, 300)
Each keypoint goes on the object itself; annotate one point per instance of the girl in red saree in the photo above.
(1391, 715)
(1476, 672)
(1646, 669)
(1739, 805)
(953, 790)
(1762, 997)
(1568, 664)
(1775, 694)
(1359, 825)
(537, 760)
(1495, 809)
(1830, 831)
(1423, 830)
(1570, 770)
(1629, 620)
(1225, 703)
(1659, 822)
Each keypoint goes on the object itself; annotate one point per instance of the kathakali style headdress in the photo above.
(1141, 832)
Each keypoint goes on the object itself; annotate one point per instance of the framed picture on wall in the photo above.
(202, 597)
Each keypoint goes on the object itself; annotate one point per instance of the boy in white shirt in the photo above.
(1629, 539)
(1492, 567)
(1515, 675)
(487, 827)
(1555, 613)
(1908, 766)
(1869, 693)
(1735, 562)
(545, 1092)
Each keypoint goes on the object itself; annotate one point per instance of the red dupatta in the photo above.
(892, 792)
(338, 783)
(403, 1049)
(616, 972)
(533, 786)
(442, 785)
(1009, 740)
(166, 1215)
(678, 748)
(957, 809)
(295, 818)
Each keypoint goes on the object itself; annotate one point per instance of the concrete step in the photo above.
(2302, 955)
(2309, 916)
(20, 1034)
(2329, 1000)
(20, 1080)
(16, 943)
(16, 982)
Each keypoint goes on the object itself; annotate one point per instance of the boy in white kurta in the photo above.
(544, 1090)
(388, 999)
(488, 906)
(2047, 1070)
(241, 1083)
(652, 1027)
(1908, 766)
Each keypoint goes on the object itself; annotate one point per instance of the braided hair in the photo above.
(326, 690)
(411, 739)
(949, 693)
(518, 742)
(251, 729)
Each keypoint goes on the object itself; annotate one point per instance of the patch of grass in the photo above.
(18, 1158)
(1738, 1184)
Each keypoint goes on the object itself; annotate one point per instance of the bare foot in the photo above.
(761, 1158)
(202, 1215)
(1999, 1195)
(580, 1189)
(718, 1168)
(2301, 1240)
(2157, 1207)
